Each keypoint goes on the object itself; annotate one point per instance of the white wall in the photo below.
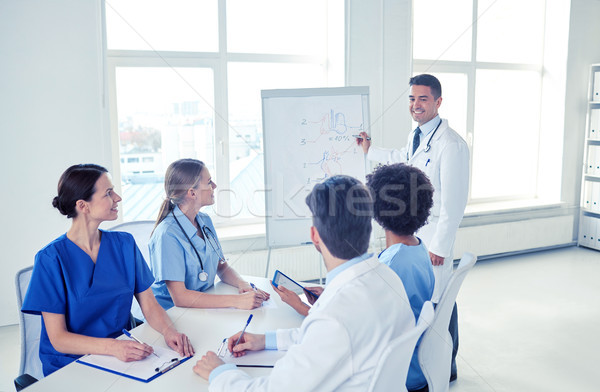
(51, 116)
(379, 51)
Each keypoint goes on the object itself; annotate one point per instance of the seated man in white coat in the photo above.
(363, 307)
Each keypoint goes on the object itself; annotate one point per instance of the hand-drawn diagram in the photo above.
(307, 140)
(331, 138)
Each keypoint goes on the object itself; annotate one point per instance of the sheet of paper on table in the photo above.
(263, 358)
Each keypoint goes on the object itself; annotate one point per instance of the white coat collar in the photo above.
(431, 139)
(343, 278)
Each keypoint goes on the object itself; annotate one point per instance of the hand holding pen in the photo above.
(251, 287)
(244, 341)
(130, 336)
(363, 140)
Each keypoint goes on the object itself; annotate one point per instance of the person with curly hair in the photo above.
(403, 196)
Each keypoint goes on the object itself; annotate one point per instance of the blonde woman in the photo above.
(185, 253)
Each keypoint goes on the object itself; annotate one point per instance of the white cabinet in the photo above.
(589, 220)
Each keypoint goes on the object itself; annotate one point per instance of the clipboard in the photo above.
(145, 370)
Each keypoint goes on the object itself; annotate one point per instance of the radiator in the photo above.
(304, 262)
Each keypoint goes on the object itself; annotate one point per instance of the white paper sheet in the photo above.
(142, 370)
(264, 358)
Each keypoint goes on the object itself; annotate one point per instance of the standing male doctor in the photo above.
(443, 155)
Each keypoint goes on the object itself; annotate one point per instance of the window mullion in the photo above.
(471, 81)
(222, 118)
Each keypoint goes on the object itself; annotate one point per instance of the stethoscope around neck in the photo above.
(209, 237)
(428, 146)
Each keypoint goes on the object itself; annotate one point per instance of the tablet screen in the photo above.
(281, 279)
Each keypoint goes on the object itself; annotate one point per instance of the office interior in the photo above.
(55, 111)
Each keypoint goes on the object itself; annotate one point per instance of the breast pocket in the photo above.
(424, 162)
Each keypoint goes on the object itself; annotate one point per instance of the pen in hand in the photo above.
(130, 336)
(242, 334)
(360, 137)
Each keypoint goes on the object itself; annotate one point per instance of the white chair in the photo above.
(392, 367)
(30, 326)
(435, 350)
(140, 230)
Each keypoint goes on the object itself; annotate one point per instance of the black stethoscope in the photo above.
(209, 237)
(428, 146)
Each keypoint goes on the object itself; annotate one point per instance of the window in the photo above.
(492, 77)
(185, 80)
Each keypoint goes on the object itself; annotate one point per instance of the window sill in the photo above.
(475, 214)
(513, 210)
(504, 206)
(243, 231)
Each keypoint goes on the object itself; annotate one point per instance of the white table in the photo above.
(206, 329)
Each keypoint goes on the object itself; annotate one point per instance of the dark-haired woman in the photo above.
(83, 283)
(185, 253)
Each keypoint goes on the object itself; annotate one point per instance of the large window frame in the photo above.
(217, 62)
(470, 68)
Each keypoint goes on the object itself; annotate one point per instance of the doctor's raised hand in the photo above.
(364, 141)
(185, 252)
(83, 282)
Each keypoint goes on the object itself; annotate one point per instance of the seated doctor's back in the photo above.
(173, 258)
(95, 298)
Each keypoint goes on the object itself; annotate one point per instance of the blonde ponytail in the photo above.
(181, 175)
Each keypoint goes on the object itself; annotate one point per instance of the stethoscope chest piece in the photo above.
(203, 276)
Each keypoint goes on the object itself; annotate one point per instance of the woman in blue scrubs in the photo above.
(83, 283)
(185, 253)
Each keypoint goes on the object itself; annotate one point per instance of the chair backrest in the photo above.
(140, 230)
(392, 367)
(435, 349)
(31, 327)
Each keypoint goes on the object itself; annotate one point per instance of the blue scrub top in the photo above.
(94, 297)
(173, 258)
(413, 266)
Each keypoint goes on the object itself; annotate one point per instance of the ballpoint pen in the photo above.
(130, 336)
(360, 137)
(242, 334)
(221, 347)
(253, 286)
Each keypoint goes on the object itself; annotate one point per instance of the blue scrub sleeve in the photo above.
(46, 291)
(167, 258)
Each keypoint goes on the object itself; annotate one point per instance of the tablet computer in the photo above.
(282, 279)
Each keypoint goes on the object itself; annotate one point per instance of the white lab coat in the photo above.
(447, 166)
(340, 341)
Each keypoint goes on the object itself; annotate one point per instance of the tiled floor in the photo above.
(527, 323)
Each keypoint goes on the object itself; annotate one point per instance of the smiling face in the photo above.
(103, 204)
(422, 105)
(206, 189)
